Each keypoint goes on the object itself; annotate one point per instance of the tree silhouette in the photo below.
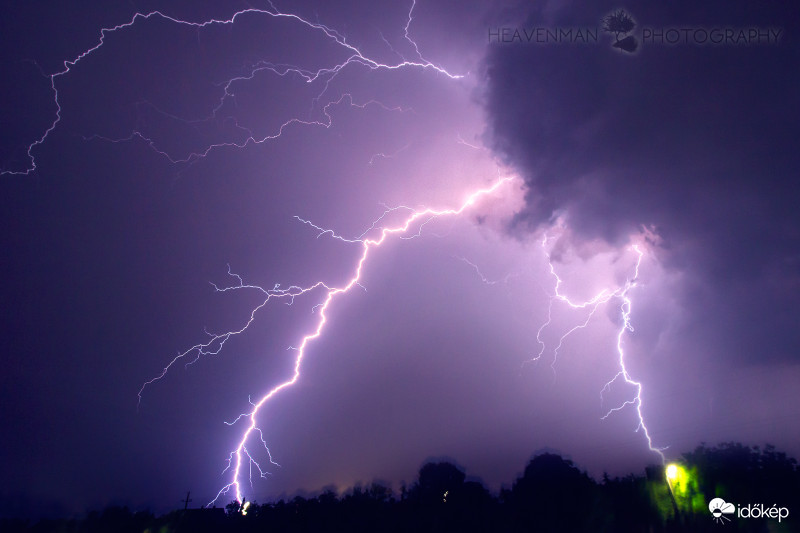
(733, 470)
(436, 479)
(552, 495)
(618, 23)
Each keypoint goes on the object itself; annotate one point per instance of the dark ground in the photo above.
(550, 495)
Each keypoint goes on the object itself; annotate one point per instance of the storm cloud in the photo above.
(694, 143)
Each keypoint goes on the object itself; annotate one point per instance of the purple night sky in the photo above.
(182, 149)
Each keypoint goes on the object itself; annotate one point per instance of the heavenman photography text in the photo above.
(405, 266)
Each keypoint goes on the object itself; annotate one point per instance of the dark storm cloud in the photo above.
(698, 142)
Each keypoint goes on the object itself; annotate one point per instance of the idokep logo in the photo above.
(719, 508)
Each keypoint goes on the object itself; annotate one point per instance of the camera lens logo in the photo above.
(719, 508)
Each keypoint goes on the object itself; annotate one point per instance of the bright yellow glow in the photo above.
(684, 487)
(672, 472)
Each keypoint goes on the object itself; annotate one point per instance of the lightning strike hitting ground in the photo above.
(325, 75)
(625, 310)
(237, 456)
(602, 297)
(241, 457)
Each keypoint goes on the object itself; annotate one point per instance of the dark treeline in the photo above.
(551, 495)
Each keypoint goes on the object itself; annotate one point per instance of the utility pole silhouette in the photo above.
(187, 500)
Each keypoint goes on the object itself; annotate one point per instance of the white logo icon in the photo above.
(719, 508)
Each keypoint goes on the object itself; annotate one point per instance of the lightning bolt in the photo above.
(636, 402)
(238, 456)
(604, 296)
(484, 279)
(325, 75)
(241, 458)
(391, 155)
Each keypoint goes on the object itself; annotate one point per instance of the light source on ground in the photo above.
(672, 472)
